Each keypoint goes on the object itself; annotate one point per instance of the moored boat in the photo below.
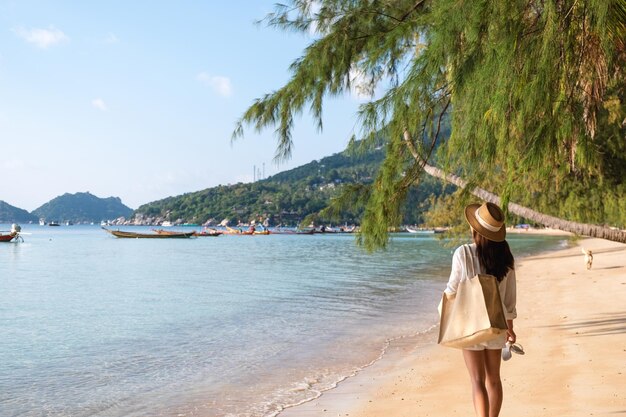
(165, 232)
(13, 235)
(231, 231)
(209, 234)
(419, 231)
(325, 230)
(8, 237)
(423, 231)
(280, 231)
(204, 233)
(134, 235)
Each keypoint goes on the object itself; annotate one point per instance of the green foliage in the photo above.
(534, 91)
(285, 198)
(313, 192)
(82, 207)
(10, 214)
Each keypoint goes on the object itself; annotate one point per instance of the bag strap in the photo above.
(469, 260)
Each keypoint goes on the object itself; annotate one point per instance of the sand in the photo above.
(547, 231)
(572, 324)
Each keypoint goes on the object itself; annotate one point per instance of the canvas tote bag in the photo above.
(475, 313)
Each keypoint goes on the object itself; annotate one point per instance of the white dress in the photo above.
(463, 268)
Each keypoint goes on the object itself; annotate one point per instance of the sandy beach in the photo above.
(572, 324)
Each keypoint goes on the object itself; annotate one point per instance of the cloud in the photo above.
(99, 104)
(13, 164)
(111, 38)
(43, 38)
(361, 85)
(221, 85)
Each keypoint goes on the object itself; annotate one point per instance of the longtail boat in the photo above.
(133, 235)
(204, 233)
(293, 232)
(209, 232)
(8, 238)
(231, 231)
(14, 234)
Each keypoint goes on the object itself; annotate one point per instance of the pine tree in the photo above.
(534, 90)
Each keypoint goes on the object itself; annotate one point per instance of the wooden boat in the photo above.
(325, 230)
(9, 237)
(419, 231)
(204, 233)
(213, 233)
(167, 232)
(207, 231)
(133, 235)
(231, 231)
(15, 234)
(293, 232)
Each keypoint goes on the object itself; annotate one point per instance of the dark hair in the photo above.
(495, 257)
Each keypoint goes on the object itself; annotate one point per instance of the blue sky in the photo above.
(138, 99)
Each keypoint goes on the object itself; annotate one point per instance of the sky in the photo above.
(138, 99)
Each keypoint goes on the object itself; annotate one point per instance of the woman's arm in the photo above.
(457, 271)
(510, 301)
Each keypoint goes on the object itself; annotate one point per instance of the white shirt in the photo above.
(463, 269)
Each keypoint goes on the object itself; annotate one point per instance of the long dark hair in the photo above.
(495, 257)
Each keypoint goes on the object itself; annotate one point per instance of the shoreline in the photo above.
(574, 338)
(534, 231)
(389, 345)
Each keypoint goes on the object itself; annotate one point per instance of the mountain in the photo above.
(286, 198)
(82, 208)
(11, 214)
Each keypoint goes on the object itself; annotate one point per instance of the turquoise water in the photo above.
(231, 326)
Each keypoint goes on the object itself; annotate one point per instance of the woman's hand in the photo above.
(510, 334)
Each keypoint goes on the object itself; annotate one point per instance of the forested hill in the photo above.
(10, 214)
(82, 208)
(285, 198)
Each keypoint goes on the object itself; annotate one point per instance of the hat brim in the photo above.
(470, 216)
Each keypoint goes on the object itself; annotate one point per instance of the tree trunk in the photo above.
(583, 229)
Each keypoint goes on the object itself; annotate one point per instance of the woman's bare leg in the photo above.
(492, 381)
(475, 362)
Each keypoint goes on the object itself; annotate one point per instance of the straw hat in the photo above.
(487, 219)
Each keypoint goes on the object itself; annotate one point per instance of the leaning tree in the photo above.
(534, 91)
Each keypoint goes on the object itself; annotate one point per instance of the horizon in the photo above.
(177, 195)
(139, 101)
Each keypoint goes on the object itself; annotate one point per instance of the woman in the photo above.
(489, 254)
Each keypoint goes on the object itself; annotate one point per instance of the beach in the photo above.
(571, 322)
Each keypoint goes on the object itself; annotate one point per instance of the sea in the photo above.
(93, 325)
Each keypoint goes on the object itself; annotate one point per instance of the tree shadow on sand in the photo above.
(611, 267)
(576, 254)
(604, 324)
